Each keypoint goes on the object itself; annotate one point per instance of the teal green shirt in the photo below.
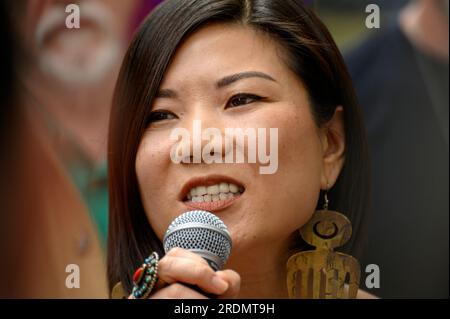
(92, 183)
(90, 178)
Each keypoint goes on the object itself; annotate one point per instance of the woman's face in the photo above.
(271, 206)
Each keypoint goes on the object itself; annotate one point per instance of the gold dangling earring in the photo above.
(322, 273)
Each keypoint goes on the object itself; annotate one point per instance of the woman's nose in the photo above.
(206, 142)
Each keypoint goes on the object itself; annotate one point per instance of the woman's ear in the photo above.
(333, 148)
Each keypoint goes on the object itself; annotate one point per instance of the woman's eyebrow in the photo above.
(243, 75)
(166, 93)
(169, 93)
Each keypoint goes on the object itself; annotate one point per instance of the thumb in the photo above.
(234, 283)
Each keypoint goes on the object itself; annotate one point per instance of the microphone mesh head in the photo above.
(202, 233)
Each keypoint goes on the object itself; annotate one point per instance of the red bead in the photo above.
(138, 275)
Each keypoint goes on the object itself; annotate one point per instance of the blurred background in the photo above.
(56, 91)
(401, 76)
(345, 18)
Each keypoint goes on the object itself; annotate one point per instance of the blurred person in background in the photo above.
(69, 82)
(44, 224)
(53, 80)
(401, 76)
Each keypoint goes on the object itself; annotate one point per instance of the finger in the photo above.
(177, 291)
(160, 283)
(184, 253)
(234, 283)
(177, 269)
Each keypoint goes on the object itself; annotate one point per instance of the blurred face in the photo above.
(260, 210)
(78, 55)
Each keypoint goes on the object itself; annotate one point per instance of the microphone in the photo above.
(202, 233)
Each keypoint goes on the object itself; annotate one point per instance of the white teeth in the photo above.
(223, 196)
(201, 190)
(220, 191)
(213, 190)
(233, 188)
(224, 188)
(212, 198)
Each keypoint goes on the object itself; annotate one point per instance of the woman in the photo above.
(239, 64)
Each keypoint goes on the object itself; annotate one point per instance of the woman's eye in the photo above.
(161, 115)
(243, 98)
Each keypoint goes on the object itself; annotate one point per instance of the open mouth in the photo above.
(212, 194)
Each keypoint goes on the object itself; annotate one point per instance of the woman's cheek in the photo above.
(299, 167)
(152, 163)
(153, 155)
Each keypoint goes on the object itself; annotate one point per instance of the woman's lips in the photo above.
(212, 206)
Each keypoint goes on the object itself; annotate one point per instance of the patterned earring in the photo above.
(322, 273)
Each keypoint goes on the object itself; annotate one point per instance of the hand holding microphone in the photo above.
(197, 245)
